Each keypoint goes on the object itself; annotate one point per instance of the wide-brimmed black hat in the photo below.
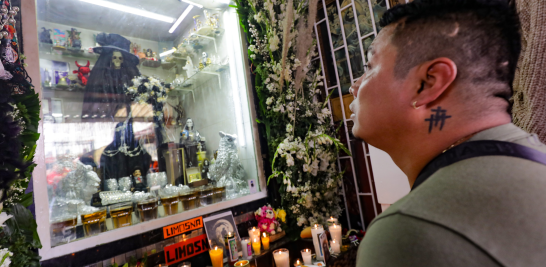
(112, 41)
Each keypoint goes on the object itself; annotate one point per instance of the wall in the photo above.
(390, 182)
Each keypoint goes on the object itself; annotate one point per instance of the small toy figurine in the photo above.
(138, 180)
(205, 169)
(204, 59)
(83, 72)
(149, 53)
(189, 67)
(142, 54)
(45, 36)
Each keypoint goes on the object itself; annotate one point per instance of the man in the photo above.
(437, 85)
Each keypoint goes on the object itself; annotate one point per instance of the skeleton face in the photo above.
(117, 59)
(189, 123)
(204, 54)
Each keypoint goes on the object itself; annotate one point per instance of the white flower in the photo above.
(301, 221)
(269, 100)
(7, 260)
(289, 160)
(274, 42)
(289, 127)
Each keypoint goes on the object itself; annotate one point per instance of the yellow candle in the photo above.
(217, 257)
(256, 246)
(265, 240)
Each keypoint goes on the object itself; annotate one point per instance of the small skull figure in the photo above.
(204, 59)
(117, 60)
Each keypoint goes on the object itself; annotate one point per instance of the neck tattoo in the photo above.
(438, 116)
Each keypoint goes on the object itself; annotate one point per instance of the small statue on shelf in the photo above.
(74, 38)
(190, 71)
(227, 168)
(189, 136)
(138, 180)
(205, 59)
(45, 36)
(83, 72)
(205, 169)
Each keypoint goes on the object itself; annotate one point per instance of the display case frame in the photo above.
(31, 50)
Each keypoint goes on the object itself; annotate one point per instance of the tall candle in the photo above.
(246, 247)
(281, 257)
(217, 256)
(336, 246)
(316, 230)
(253, 233)
(335, 232)
(265, 240)
(306, 255)
(256, 246)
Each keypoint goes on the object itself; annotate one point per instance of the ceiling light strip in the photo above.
(192, 3)
(179, 20)
(131, 10)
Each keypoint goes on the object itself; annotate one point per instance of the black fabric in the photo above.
(478, 149)
(121, 165)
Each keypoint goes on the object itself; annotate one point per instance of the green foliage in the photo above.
(20, 236)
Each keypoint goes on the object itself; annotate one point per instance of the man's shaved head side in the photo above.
(482, 37)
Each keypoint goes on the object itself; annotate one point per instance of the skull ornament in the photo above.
(117, 60)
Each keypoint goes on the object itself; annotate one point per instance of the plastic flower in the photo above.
(281, 214)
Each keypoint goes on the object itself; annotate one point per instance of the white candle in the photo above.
(247, 249)
(331, 220)
(335, 246)
(335, 232)
(281, 257)
(254, 233)
(306, 255)
(316, 230)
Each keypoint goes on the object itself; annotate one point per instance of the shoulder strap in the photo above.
(478, 149)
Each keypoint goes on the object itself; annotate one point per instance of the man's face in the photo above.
(380, 104)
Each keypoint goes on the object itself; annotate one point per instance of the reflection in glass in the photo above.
(364, 18)
(343, 71)
(379, 7)
(353, 47)
(326, 51)
(366, 43)
(335, 26)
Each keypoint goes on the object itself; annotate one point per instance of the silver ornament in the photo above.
(5, 34)
(12, 12)
(4, 10)
(11, 21)
(16, 8)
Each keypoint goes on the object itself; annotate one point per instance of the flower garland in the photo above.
(303, 153)
(151, 91)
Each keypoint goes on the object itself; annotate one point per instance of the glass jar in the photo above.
(189, 200)
(147, 209)
(63, 230)
(170, 204)
(121, 214)
(94, 222)
(219, 194)
(205, 195)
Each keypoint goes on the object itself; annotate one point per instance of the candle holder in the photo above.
(335, 232)
(298, 263)
(216, 253)
(253, 232)
(246, 246)
(331, 221)
(307, 257)
(265, 240)
(281, 257)
(256, 246)
(242, 263)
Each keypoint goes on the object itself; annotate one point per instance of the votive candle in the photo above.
(331, 221)
(247, 248)
(316, 230)
(297, 263)
(265, 240)
(335, 232)
(281, 257)
(336, 246)
(217, 256)
(253, 233)
(306, 255)
(256, 246)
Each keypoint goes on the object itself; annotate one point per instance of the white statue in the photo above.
(190, 70)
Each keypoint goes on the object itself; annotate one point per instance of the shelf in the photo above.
(200, 77)
(73, 53)
(205, 35)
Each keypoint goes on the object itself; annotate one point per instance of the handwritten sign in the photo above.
(186, 249)
(182, 227)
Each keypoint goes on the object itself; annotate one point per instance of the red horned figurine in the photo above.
(83, 72)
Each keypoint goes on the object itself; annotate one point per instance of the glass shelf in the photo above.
(202, 76)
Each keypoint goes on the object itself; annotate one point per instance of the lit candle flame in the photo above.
(264, 234)
(215, 247)
(333, 241)
(254, 240)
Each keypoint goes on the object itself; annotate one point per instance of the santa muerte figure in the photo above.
(113, 71)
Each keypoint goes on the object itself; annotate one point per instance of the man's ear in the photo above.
(435, 77)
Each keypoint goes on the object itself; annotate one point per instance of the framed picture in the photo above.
(325, 249)
(217, 226)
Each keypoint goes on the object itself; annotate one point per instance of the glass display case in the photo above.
(147, 118)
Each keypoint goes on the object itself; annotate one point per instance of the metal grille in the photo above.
(344, 30)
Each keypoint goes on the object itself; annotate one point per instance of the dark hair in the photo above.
(482, 37)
